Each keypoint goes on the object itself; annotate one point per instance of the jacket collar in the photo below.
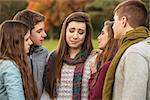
(35, 49)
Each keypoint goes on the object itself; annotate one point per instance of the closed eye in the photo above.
(80, 31)
(71, 30)
(40, 30)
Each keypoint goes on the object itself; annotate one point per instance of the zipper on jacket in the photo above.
(31, 58)
(31, 61)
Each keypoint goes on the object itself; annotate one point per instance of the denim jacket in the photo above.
(11, 87)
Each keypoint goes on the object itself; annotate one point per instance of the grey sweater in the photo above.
(37, 61)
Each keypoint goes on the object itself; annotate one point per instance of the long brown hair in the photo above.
(55, 71)
(111, 47)
(12, 48)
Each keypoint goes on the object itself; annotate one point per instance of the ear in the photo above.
(124, 21)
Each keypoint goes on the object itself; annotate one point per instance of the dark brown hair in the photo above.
(111, 47)
(12, 48)
(62, 49)
(29, 17)
(134, 10)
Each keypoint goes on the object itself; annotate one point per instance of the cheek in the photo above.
(104, 40)
(82, 39)
(67, 38)
(83, 36)
(25, 45)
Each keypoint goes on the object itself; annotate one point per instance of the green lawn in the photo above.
(52, 44)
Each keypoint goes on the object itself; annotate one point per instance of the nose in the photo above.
(44, 34)
(98, 37)
(75, 35)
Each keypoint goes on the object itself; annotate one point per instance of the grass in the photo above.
(52, 44)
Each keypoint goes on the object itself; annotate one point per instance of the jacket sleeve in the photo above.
(135, 77)
(13, 82)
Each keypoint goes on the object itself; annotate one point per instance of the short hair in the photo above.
(29, 17)
(134, 10)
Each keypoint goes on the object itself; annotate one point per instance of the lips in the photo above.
(42, 40)
(73, 42)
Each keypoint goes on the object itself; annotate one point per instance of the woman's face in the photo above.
(27, 42)
(75, 34)
(103, 38)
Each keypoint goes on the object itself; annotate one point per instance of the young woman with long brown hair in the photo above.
(16, 80)
(108, 47)
(68, 68)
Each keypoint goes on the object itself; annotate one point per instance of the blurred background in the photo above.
(57, 10)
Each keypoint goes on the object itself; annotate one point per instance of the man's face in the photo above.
(38, 34)
(117, 27)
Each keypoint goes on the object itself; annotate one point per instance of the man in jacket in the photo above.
(128, 77)
(37, 54)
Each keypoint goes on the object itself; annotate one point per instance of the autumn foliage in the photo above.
(56, 10)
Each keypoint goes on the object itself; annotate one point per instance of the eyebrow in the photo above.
(71, 28)
(40, 29)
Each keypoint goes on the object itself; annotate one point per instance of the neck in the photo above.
(127, 30)
(73, 52)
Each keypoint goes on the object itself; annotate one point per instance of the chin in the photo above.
(74, 47)
(38, 44)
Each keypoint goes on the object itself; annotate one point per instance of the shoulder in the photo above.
(141, 48)
(105, 65)
(43, 49)
(51, 55)
(7, 64)
(92, 57)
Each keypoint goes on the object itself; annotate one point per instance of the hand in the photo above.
(93, 68)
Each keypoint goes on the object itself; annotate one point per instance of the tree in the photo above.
(100, 10)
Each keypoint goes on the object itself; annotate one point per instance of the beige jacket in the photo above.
(133, 73)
